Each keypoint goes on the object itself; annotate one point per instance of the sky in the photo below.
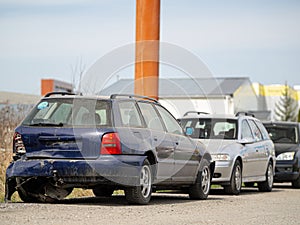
(259, 39)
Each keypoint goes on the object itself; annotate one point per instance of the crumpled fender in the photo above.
(120, 169)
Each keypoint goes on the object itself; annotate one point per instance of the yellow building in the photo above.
(269, 95)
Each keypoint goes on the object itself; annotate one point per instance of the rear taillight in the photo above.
(18, 145)
(111, 144)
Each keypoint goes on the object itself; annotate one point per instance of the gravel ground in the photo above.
(281, 206)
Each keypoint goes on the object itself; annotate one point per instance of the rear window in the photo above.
(211, 128)
(70, 112)
(282, 134)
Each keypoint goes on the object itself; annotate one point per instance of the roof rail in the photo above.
(190, 112)
(114, 96)
(58, 93)
(245, 114)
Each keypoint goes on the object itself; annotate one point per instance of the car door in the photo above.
(161, 141)
(248, 152)
(260, 157)
(268, 146)
(185, 156)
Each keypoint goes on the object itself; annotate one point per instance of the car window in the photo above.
(69, 112)
(256, 132)
(282, 134)
(129, 114)
(169, 121)
(206, 128)
(150, 116)
(246, 131)
(93, 113)
(225, 128)
(263, 130)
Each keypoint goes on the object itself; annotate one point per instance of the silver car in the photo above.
(240, 146)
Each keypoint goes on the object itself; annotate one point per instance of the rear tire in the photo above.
(200, 189)
(235, 185)
(267, 185)
(141, 194)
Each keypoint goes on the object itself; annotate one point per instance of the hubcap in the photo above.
(145, 181)
(270, 176)
(205, 180)
(238, 178)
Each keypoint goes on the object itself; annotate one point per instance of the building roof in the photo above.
(180, 87)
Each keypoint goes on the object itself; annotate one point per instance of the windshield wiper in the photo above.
(47, 125)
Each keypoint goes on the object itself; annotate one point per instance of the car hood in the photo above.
(218, 145)
(286, 147)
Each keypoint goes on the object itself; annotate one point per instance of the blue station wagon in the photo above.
(125, 142)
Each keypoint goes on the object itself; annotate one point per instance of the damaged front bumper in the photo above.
(120, 170)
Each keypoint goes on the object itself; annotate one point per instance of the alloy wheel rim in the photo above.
(270, 176)
(145, 181)
(238, 178)
(205, 180)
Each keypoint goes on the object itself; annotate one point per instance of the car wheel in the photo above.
(235, 181)
(267, 185)
(103, 191)
(249, 184)
(200, 189)
(141, 194)
(296, 183)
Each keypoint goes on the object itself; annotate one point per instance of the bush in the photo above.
(10, 117)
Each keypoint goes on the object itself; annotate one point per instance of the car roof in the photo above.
(203, 115)
(210, 116)
(52, 95)
(92, 97)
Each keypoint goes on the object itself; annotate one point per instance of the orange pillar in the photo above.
(147, 48)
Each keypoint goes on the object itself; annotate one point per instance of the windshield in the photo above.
(210, 128)
(283, 134)
(69, 112)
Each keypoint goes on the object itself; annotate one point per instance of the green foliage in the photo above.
(286, 107)
(299, 116)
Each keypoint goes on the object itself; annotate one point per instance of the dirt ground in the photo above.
(281, 206)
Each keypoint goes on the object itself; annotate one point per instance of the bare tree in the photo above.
(77, 71)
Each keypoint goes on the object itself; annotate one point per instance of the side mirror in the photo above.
(245, 141)
(189, 131)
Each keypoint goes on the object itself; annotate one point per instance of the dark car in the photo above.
(285, 136)
(122, 142)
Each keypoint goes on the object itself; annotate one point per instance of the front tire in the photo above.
(201, 188)
(235, 185)
(141, 194)
(266, 186)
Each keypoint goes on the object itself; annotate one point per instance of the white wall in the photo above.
(213, 105)
(245, 99)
